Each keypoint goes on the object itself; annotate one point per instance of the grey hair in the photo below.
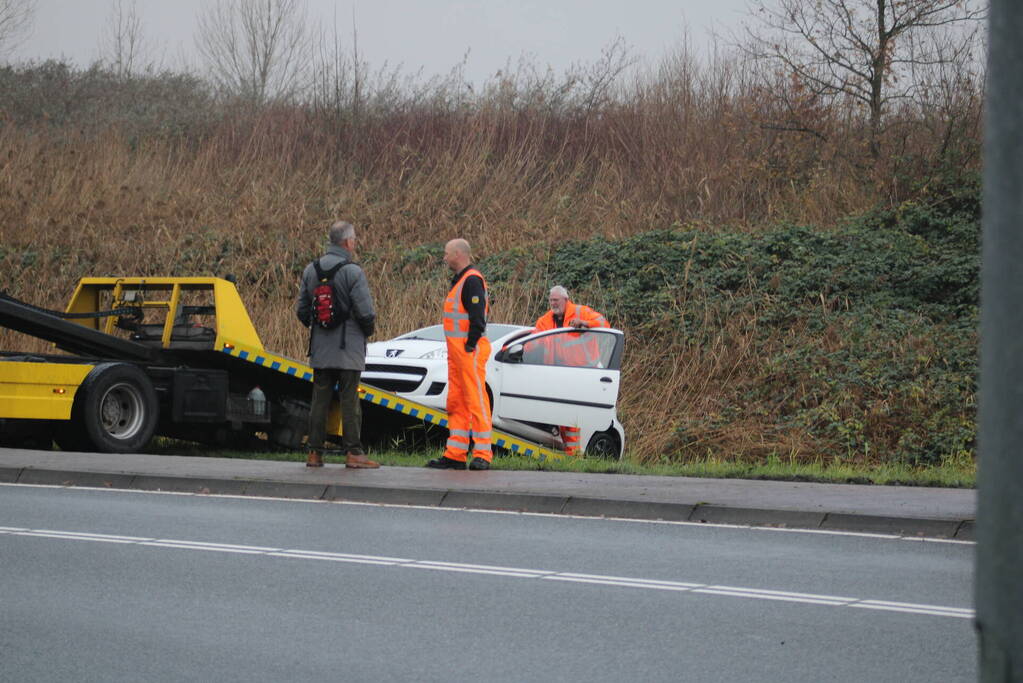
(340, 231)
(558, 290)
(461, 245)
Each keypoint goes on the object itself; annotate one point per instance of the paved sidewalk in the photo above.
(897, 510)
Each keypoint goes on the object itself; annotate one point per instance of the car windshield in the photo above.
(498, 331)
(436, 332)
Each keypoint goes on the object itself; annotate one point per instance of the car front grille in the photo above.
(399, 378)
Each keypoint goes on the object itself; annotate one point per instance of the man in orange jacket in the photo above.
(465, 323)
(564, 313)
(582, 352)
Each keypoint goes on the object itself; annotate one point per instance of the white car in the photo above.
(536, 381)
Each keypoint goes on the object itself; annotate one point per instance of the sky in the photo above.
(429, 35)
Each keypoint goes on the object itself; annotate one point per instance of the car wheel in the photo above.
(117, 408)
(604, 445)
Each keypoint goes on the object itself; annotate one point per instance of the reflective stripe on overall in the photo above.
(570, 436)
(467, 404)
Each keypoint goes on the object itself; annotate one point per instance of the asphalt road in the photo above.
(118, 585)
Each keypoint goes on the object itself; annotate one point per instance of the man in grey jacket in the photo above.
(338, 355)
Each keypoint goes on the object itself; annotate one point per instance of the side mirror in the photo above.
(510, 354)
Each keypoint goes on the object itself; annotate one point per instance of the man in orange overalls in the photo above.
(465, 323)
(571, 352)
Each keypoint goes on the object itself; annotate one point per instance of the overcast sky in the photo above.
(432, 35)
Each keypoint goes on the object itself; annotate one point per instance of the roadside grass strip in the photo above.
(515, 572)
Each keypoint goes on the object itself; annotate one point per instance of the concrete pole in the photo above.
(999, 576)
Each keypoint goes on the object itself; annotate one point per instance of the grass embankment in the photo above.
(773, 315)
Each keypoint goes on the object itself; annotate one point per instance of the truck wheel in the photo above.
(286, 438)
(289, 425)
(118, 409)
(604, 445)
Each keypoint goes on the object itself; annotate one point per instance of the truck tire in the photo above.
(604, 445)
(290, 422)
(116, 408)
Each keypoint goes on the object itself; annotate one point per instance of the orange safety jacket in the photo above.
(575, 351)
(467, 404)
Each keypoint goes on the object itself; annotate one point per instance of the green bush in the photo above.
(865, 335)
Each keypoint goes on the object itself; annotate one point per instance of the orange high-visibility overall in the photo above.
(573, 352)
(468, 407)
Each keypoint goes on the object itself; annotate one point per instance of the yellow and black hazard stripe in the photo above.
(385, 399)
(500, 439)
(268, 360)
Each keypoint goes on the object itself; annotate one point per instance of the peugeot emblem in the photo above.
(394, 353)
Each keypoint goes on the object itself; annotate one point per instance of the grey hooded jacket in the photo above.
(325, 346)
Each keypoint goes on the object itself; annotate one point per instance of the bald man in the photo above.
(465, 323)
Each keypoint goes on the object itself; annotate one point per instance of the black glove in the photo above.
(469, 347)
(368, 326)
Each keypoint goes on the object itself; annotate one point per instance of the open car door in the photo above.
(562, 377)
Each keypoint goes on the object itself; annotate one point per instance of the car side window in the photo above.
(583, 349)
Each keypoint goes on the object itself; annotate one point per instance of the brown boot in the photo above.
(315, 458)
(360, 461)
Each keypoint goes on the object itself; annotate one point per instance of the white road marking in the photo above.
(469, 570)
(462, 565)
(515, 572)
(705, 525)
(337, 557)
(203, 546)
(74, 536)
(767, 595)
(347, 556)
(628, 583)
(915, 609)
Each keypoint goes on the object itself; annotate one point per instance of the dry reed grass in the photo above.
(252, 195)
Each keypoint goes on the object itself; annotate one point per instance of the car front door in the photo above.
(561, 377)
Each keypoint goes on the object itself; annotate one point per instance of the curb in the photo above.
(701, 513)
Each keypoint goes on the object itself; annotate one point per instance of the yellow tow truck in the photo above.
(169, 356)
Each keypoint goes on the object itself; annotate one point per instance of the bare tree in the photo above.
(950, 96)
(16, 18)
(256, 48)
(865, 50)
(121, 43)
(601, 76)
(339, 73)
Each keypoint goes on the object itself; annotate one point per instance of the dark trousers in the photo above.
(347, 381)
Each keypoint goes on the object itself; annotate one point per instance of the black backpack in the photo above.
(329, 311)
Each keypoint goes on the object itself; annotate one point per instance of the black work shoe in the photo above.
(479, 464)
(444, 463)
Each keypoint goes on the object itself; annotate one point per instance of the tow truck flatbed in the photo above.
(176, 356)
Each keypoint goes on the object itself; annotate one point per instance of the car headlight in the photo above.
(439, 354)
